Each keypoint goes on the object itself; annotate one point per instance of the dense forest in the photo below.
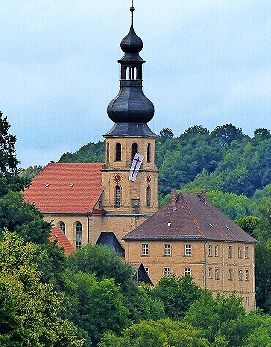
(92, 298)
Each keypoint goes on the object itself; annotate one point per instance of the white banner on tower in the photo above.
(138, 158)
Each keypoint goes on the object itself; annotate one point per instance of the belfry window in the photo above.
(132, 73)
(118, 152)
(117, 196)
(149, 152)
(134, 149)
(148, 196)
(78, 229)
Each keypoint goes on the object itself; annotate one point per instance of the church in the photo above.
(116, 203)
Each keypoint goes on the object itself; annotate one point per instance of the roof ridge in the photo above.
(193, 216)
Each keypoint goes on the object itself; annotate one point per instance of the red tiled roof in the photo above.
(66, 187)
(189, 217)
(62, 241)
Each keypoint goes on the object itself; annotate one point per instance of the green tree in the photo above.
(177, 294)
(24, 218)
(226, 134)
(248, 223)
(212, 314)
(29, 310)
(9, 178)
(100, 307)
(31, 172)
(162, 333)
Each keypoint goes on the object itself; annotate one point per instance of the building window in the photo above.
(62, 227)
(145, 249)
(118, 152)
(78, 229)
(216, 251)
(247, 301)
(210, 272)
(134, 150)
(246, 252)
(217, 274)
(148, 196)
(107, 152)
(187, 271)
(187, 250)
(210, 251)
(167, 250)
(166, 272)
(230, 252)
(246, 278)
(230, 274)
(240, 275)
(117, 196)
(239, 252)
(149, 153)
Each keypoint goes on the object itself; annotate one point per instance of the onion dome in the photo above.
(131, 43)
(131, 105)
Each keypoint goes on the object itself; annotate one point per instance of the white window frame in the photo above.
(217, 274)
(167, 250)
(246, 252)
(187, 271)
(145, 249)
(240, 275)
(187, 250)
(240, 252)
(246, 275)
(166, 272)
(229, 251)
(210, 250)
(216, 251)
(230, 274)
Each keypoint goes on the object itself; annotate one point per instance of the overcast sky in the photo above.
(208, 63)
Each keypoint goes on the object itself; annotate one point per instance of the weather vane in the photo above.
(132, 12)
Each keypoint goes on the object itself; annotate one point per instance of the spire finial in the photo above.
(132, 12)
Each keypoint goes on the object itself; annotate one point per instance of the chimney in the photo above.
(173, 195)
(203, 195)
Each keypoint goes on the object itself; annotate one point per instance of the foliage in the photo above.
(31, 172)
(177, 294)
(92, 152)
(22, 217)
(248, 224)
(9, 178)
(100, 306)
(213, 314)
(29, 309)
(162, 333)
(103, 262)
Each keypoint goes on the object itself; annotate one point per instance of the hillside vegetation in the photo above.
(233, 167)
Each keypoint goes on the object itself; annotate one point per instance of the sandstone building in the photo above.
(116, 203)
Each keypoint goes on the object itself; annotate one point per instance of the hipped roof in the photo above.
(66, 188)
(189, 217)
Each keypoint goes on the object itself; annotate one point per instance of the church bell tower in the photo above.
(129, 175)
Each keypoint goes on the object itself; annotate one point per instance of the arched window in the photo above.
(134, 149)
(132, 73)
(117, 196)
(118, 152)
(78, 229)
(62, 227)
(148, 196)
(149, 152)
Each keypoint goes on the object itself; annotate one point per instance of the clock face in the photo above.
(117, 178)
(148, 179)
